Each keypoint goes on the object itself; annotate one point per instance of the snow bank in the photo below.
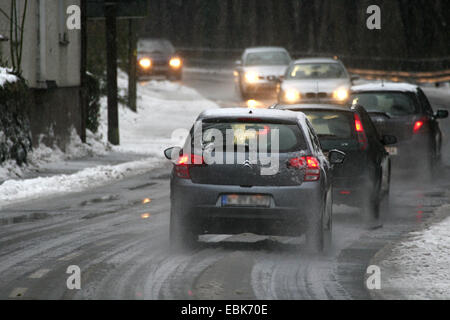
(5, 76)
(163, 108)
(19, 190)
(419, 266)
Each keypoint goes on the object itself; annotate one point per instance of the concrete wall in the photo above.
(51, 66)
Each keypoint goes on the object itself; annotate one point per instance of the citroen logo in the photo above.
(247, 164)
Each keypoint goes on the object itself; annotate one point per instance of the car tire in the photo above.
(318, 235)
(182, 236)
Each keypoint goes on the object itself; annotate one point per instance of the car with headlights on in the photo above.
(259, 69)
(315, 80)
(403, 110)
(157, 57)
(259, 171)
(363, 180)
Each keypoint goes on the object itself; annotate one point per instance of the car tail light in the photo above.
(362, 138)
(185, 162)
(310, 164)
(419, 125)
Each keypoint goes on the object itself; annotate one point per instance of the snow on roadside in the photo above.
(163, 107)
(19, 190)
(418, 267)
(5, 76)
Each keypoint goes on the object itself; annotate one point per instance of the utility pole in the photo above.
(132, 61)
(111, 72)
(83, 71)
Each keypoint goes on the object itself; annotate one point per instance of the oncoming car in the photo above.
(315, 80)
(269, 177)
(157, 57)
(403, 110)
(259, 70)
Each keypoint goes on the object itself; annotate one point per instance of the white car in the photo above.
(316, 80)
(259, 70)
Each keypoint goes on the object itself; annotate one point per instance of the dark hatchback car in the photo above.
(363, 180)
(241, 191)
(404, 111)
(157, 57)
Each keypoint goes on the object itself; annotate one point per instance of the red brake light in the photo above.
(418, 125)
(362, 138)
(311, 166)
(185, 162)
(358, 124)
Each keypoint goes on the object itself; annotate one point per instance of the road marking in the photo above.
(18, 292)
(70, 256)
(39, 274)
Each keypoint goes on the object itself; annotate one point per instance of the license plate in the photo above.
(239, 200)
(393, 151)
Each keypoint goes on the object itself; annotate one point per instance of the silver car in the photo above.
(318, 80)
(241, 191)
(259, 70)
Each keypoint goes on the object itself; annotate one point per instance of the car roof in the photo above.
(263, 49)
(316, 60)
(300, 107)
(385, 86)
(264, 114)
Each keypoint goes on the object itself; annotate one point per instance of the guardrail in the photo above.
(398, 76)
(427, 70)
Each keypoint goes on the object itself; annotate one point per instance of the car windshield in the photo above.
(156, 46)
(304, 71)
(280, 138)
(394, 104)
(267, 58)
(331, 124)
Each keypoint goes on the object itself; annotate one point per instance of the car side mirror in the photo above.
(441, 114)
(389, 140)
(172, 153)
(336, 157)
(355, 78)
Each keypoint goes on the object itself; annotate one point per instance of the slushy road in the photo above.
(118, 235)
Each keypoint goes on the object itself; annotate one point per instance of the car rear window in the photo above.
(243, 133)
(331, 124)
(395, 104)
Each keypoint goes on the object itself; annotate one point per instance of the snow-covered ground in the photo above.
(418, 267)
(163, 108)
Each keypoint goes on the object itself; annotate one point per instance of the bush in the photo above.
(15, 133)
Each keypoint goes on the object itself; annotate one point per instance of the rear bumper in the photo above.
(351, 190)
(289, 213)
(413, 152)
